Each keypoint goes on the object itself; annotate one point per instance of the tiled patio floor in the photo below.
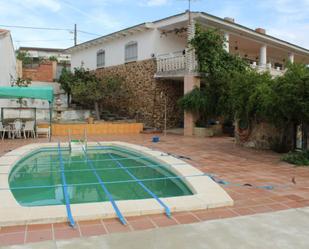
(218, 156)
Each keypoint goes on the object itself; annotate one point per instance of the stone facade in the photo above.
(145, 96)
(264, 136)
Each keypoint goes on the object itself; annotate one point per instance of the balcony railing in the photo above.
(268, 67)
(177, 64)
(171, 63)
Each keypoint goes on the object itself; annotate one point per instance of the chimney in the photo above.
(229, 19)
(260, 30)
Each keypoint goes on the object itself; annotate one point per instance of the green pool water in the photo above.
(41, 171)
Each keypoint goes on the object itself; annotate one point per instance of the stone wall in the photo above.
(262, 135)
(143, 99)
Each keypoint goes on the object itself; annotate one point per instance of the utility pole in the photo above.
(75, 34)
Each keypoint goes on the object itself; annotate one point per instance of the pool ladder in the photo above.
(78, 145)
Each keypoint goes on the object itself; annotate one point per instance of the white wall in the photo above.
(149, 42)
(7, 59)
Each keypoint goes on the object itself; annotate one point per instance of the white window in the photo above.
(101, 58)
(130, 52)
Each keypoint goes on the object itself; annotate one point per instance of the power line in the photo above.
(88, 33)
(31, 27)
(44, 40)
(47, 28)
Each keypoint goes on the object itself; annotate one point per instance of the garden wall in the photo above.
(263, 135)
(143, 100)
(96, 129)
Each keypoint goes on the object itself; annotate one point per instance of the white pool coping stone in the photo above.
(206, 193)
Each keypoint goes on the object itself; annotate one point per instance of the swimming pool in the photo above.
(36, 179)
(43, 183)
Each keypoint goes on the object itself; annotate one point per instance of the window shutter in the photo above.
(101, 58)
(131, 52)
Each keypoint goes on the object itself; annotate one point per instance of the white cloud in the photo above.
(52, 5)
(290, 20)
(152, 3)
(96, 16)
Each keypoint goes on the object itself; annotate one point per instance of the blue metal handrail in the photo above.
(65, 189)
(110, 197)
(119, 164)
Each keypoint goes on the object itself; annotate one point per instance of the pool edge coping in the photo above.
(206, 193)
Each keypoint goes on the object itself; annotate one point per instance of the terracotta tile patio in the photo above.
(217, 156)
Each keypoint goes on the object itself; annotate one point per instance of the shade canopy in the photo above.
(31, 92)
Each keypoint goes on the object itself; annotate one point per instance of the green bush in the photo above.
(299, 158)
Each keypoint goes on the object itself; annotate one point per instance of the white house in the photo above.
(158, 67)
(7, 58)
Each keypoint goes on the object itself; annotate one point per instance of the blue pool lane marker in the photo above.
(110, 197)
(167, 209)
(65, 188)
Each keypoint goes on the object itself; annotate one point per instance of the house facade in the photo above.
(158, 67)
(7, 58)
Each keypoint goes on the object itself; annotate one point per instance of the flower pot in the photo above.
(203, 132)
(217, 129)
(90, 120)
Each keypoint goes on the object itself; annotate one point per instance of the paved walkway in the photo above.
(287, 229)
(219, 156)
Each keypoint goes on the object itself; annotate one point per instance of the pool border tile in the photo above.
(206, 193)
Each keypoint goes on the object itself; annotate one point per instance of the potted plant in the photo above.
(196, 102)
(90, 120)
(201, 129)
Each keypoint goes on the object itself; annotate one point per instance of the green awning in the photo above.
(31, 92)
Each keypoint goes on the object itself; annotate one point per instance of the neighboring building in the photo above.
(45, 64)
(7, 58)
(158, 67)
(46, 53)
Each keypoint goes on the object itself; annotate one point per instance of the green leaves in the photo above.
(299, 158)
(194, 101)
(212, 57)
(217, 67)
(88, 89)
(66, 79)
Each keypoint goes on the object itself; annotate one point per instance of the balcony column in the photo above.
(227, 42)
(190, 52)
(291, 58)
(190, 118)
(263, 56)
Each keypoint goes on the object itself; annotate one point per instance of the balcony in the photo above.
(175, 66)
(171, 65)
(278, 71)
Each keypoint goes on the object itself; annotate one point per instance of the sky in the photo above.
(285, 19)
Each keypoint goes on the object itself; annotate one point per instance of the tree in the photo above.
(22, 82)
(90, 89)
(24, 57)
(66, 81)
(216, 66)
(290, 101)
(281, 101)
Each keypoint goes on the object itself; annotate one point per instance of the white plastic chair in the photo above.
(43, 131)
(4, 130)
(29, 128)
(17, 128)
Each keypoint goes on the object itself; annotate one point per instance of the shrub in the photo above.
(299, 158)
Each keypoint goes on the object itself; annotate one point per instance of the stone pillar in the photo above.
(190, 52)
(227, 42)
(263, 56)
(54, 67)
(19, 68)
(190, 82)
(291, 58)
